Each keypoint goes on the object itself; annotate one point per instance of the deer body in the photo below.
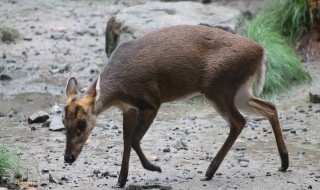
(167, 65)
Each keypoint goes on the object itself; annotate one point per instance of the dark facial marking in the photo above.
(82, 124)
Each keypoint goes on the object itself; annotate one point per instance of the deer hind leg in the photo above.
(269, 110)
(140, 130)
(231, 114)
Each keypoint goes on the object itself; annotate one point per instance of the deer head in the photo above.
(79, 118)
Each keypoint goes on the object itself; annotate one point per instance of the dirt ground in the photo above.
(63, 38)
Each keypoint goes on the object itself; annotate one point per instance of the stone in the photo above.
(56, 124)
(8, 35)
(38, 117)
(56, 109)
(54, 179)
(314, 98)
(180, 145)
(135, 21)
(27, 38)
(46, 123)
(5, 77)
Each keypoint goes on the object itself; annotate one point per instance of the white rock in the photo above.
(56, 124)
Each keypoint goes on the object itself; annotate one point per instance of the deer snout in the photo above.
(69, 158)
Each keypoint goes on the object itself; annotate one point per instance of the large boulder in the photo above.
(135, 21)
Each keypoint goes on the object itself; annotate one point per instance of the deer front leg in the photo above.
(138, 134)
(135, 125)
(129, 120)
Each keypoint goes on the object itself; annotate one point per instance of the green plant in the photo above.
(11, 164)
(290, 17)
(282, 22)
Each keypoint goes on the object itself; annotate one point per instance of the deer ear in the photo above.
(94, 90)
(72, 88)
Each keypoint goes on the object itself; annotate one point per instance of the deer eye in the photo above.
(82, 124)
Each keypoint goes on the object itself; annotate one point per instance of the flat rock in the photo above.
(38, 117)
(56, 124)
(135, 21)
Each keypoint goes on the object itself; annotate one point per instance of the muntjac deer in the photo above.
(167, 65)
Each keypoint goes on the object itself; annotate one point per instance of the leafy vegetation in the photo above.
(11, 164)
(277, 28)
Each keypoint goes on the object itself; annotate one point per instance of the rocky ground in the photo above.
(56, 39)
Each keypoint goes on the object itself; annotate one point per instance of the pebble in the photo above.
(5, 77)
(192, 118)
(251, 175)
(166, 150)
(314, 98)
(286, 129)
(243, 164)
(13, 113)
(46, 123)
(180, 145)
(2, 114)
(44, 171)
(240, 149)
(27, 38)
(54, 179)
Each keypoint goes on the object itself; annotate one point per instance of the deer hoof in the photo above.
(206, 179)
(152, 167)
(282, 169)
(120, 185)
(158, 169)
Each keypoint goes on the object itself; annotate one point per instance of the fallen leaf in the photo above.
(59, 27)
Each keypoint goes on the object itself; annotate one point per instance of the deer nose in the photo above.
(69, 158)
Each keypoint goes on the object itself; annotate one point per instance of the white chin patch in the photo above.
(98, 88)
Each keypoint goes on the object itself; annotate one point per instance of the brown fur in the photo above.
(164, 66)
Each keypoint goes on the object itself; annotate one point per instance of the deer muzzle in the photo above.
(69, 158)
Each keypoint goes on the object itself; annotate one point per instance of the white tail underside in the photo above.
(261, 75)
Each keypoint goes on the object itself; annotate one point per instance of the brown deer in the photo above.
(167, 65)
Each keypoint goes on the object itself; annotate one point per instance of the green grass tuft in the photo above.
(275, 29)
(290, 17)
(11, 165)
